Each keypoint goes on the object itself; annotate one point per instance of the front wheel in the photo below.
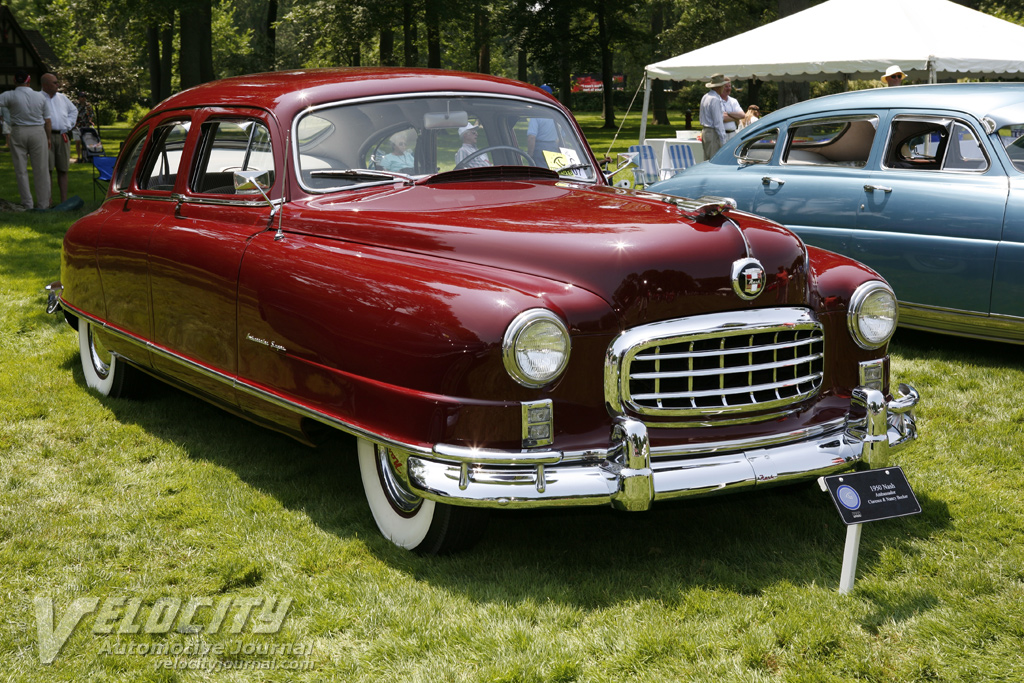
(105, 371)
(409, 521)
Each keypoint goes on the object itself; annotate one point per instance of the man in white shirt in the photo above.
(468, 134)
(63, 115)
(713, 115)
(30, 135)
(733, 113)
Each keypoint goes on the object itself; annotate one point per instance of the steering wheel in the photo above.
(485, 150)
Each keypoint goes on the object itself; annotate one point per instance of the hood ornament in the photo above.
(748, 278)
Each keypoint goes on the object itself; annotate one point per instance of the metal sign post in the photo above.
(867, 496)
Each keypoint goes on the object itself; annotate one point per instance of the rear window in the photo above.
(834, 141)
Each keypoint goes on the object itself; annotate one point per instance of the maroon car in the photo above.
(434, 263)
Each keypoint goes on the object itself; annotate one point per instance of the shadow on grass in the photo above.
(915, 344)
(582, 557)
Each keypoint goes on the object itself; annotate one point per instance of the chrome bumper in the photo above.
(631, 475)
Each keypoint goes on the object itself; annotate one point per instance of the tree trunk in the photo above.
(271, 33)
(605, 48)
(433, 22)
(409, 33)
(166, 61)
(189, 35)
(659, 100)
(482, 40)
(387, 46)
(153, 61)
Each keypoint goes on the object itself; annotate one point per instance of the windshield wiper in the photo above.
(572, 167)
(359, 174)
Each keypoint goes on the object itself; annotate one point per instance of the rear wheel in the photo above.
(104, 371)
(409, 521)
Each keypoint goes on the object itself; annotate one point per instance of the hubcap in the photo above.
(402, 500)
(101, 357)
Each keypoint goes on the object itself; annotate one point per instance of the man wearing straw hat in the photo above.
(713, 114)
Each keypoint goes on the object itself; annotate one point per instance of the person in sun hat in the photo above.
(713, 114)
(469, 134)
(893, 76)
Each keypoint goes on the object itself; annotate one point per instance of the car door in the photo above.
(143, 200)
(813, 185)
(931, 216)
(196, 250)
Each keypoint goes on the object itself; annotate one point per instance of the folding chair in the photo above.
(102, 172)
(648, 163)
(678, 158)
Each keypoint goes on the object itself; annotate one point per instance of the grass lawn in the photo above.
(132, 513)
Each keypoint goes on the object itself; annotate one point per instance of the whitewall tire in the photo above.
(104, 371)
(409, 521)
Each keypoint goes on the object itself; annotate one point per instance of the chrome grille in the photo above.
(723, 366)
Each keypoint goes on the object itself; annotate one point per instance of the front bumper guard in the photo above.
(632, 475)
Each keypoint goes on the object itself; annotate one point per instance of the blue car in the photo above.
(925, 184)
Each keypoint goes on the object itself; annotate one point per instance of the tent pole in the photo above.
(647, 103)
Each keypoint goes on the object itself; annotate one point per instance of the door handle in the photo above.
(768, 180)
(872, 188)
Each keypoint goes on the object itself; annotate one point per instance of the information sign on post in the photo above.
(867, 496)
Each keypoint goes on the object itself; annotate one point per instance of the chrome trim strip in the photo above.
(990, 327)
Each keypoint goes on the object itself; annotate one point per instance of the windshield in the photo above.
(348, 145)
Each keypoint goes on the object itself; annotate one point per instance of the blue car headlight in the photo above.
(872, 315)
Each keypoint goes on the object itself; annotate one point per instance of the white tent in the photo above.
(928, 39)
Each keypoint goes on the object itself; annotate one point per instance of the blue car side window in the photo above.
(759, 149)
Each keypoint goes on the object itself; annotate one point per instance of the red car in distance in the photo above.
(434, 263)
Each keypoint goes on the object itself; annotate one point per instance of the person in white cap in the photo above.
(469, 134)
(893, 76)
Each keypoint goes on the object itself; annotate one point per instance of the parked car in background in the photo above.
(925, 184)
(511, 334)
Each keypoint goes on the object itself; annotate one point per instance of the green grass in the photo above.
(168, 498)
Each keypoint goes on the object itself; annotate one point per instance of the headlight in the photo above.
(872, 316)
(536, 347)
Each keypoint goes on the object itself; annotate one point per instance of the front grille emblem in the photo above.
(748, 278)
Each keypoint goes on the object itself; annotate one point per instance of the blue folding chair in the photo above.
(680, 158)
(102, 172)
(648, 163)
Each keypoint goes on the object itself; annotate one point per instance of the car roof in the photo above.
(1004, 102)
(287, 92)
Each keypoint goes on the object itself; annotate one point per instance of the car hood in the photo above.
(642, 254)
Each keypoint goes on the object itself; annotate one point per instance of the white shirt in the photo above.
(732, 106)
(26, 106)
(712, 107)
(63, 114)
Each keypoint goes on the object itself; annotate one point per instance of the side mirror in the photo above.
(252, 182)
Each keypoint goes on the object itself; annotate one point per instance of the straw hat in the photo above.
(717, 81)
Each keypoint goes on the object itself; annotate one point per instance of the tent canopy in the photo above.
(928, 39)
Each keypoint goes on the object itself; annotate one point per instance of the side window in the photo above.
(841, 141)
(227, 146)
(759, 149)
(1013, 139)
(131, 160)
(160, 169)
(932, 144)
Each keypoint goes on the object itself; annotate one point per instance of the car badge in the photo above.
(748, 278)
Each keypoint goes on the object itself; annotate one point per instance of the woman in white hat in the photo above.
(893, 76)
